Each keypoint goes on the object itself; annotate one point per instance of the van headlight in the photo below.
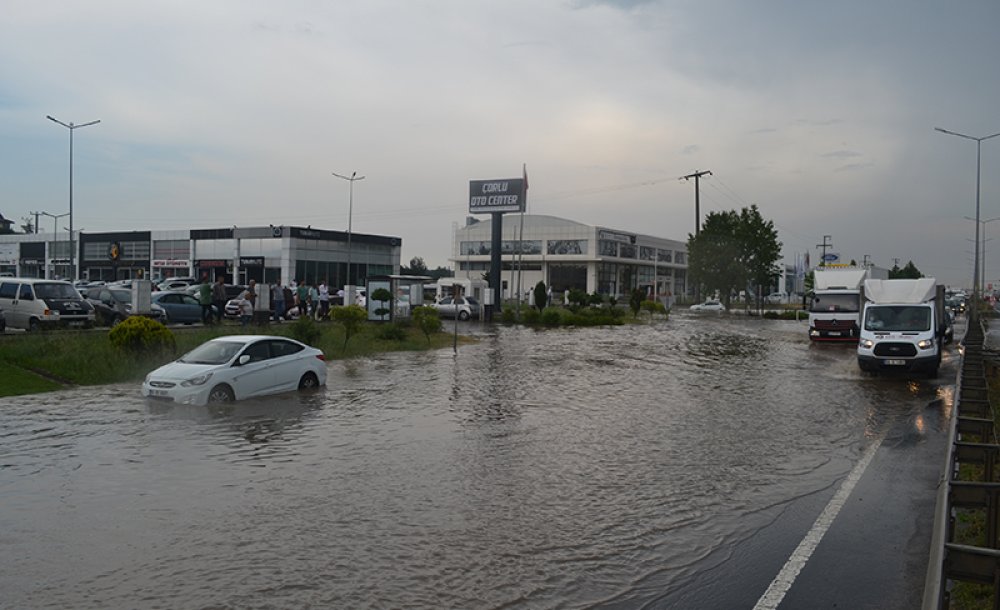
(199, 380)
(867, 343)
(925, 343)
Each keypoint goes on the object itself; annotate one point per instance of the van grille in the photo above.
(895, 350)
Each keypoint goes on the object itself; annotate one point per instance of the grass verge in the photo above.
(88, 357)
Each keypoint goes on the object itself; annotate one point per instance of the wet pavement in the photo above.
(672, 465)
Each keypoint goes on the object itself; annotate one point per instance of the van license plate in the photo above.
(895, 362)
(834, 333)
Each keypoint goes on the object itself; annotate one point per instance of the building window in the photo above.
(172, 249)
(607, 248)
(647, 254)
(679, 258)
(567, 246)
(626, 251)
(664, 256)
(135, 250)
(473, 248)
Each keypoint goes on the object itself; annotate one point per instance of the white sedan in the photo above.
(709, 305)
(236, 367)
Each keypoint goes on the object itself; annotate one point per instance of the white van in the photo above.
(34, 304)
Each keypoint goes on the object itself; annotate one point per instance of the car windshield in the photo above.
(898, 318)
(848, 303)
(122, 296)
(55, 290)
(213, 352)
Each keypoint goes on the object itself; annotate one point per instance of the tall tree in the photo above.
(733, 250)
(909, 272)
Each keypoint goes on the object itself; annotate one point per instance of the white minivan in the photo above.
(33, 304)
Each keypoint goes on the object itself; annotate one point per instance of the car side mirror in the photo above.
(243, 359)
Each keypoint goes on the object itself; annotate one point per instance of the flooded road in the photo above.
(536, 469)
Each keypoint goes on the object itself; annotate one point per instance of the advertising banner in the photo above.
(501, 195)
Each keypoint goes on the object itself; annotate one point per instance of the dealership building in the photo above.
(266, 254)
(570, 255)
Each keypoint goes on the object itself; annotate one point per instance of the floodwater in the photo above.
(536, 469)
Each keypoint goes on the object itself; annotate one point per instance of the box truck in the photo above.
(837, 298)
(903, 326)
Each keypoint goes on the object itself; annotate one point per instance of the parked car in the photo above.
(776, 298)
(463, 307)
(232, 290)
(176, 283)
(3, 321)
(237, 367)
(179, 306)
(113, 305)
(34, 304)
(709, 305)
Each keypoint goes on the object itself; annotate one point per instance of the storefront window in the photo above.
(607, 248)
(626, 251)
(567, 246)
(664, 256)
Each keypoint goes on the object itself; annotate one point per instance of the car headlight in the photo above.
(925, 343)
(867, 343)
(199, 380)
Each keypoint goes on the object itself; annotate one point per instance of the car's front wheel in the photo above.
(309, 381)
(463, 315)
(221, 393)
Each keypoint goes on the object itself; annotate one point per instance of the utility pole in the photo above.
(867, 262)
(697, 197)
(37, 214)
(826, 244)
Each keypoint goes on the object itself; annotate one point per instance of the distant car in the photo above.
(463, 307)
(776, 298)
(176, 283)
(112, 305)
(237, 367)
(179, 306)
(949, 329)
(232, 290)
(709, 305)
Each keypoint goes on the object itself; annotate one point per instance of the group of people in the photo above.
(301, 298)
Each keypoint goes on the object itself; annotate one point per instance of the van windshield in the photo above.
(898, 318)
(844, 302)
(55, 290)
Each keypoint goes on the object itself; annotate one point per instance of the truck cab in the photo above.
(903, 326)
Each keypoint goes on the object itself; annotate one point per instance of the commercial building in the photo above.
(570, 255)
(266, 254)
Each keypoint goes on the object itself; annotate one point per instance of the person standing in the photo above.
(246, 306)
(219, 297)
(324, 300)
(302, 293)
(205, 299)
(278, 299)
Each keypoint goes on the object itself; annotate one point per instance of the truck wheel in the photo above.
(34, 325)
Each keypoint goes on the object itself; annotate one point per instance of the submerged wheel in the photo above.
(34, 325)
(309, 381)
(463, 315)
(221, 393)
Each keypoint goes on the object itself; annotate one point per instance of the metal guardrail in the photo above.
(972, 440)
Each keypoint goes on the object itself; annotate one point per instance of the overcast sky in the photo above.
(235, 112)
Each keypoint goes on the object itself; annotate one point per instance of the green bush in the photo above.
(427, 320)
(142, 335)
(654, 307)
(509, 315)
(579, 298)
(541, 296)
(551, 317)
(391, 332)
(306, 330)
(531, 316)
(351, 317)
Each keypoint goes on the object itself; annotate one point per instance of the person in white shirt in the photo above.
(324, 300)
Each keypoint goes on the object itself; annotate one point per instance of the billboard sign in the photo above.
(831, 257)
(502, 195)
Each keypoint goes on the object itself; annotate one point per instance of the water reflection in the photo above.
(555, 469)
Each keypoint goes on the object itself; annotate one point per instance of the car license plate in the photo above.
(895, 362)
(157, 392)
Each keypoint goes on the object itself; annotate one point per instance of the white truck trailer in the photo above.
(903, 326)
(837, 298)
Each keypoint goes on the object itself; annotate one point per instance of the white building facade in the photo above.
(569, 255)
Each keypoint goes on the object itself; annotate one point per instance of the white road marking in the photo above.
(786, 577)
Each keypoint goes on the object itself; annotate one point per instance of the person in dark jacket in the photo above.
(219, 297)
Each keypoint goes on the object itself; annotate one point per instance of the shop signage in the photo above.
(171, 262)
(59, 261)
(30, 261)
(251, 261)
(624, 238)
(502, 195)
(211, 264)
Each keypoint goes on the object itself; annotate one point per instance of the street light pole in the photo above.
(982, 270)
(979, 146)
(350, 213)
(55, 236)
(71, 127)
